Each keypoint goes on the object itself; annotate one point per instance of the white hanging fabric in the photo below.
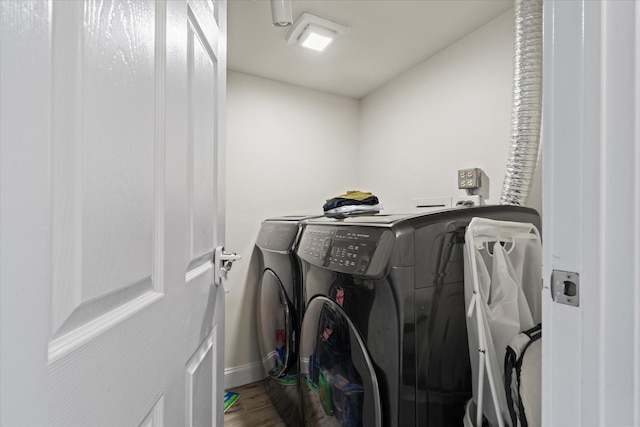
(503, 289)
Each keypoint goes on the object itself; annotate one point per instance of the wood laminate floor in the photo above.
(253, 408)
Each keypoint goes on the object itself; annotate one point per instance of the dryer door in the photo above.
(340, 384)
(275, 326)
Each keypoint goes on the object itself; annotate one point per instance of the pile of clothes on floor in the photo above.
(351, 203)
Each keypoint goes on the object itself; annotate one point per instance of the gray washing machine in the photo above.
(279, 313)
(383, 339)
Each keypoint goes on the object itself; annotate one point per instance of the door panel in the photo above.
(201, 62)
(110, 316)
(155, 416)
(117, 144)
(104, 149)
(200, 384)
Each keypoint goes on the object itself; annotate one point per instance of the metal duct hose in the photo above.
(527, 103)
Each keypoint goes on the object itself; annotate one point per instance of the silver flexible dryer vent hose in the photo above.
(527, 103)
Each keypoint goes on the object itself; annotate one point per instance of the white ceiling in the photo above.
(385, 38)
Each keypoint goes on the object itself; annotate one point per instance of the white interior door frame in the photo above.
(591, 211)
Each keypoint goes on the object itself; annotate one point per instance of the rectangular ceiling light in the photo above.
(316, 37)
(314, 32)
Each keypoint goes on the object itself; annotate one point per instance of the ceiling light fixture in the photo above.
(314, 32)
(281, 15)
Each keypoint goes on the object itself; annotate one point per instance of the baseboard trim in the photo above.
(243, 374)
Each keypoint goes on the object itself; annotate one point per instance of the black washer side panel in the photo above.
(442, 369)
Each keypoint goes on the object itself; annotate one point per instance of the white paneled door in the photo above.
(111, 179)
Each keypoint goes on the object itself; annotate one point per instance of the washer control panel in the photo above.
(344, 249)
(277, 236)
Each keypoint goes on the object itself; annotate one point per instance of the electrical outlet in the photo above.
(469, 179)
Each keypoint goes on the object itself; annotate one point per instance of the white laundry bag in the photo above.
(503, 282)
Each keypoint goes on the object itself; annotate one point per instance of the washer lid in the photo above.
(382, 219)
(294, 218)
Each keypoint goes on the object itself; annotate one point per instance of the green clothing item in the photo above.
(353, 195)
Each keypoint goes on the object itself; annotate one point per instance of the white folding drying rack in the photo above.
(495, 300)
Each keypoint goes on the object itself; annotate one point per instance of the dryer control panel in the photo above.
(347, 249)
(277, 236)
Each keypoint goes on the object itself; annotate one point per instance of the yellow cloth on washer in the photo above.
(353, 195)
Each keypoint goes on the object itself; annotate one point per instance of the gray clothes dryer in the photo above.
(383, 341)
(279, 313)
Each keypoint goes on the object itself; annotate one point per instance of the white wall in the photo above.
(450, 112)
(288, 149)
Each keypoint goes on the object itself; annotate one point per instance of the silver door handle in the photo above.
(222, 262)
